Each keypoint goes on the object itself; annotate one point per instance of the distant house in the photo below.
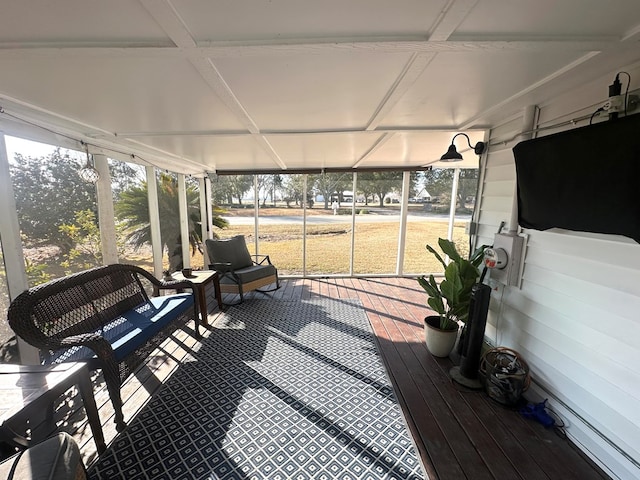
(421, 197)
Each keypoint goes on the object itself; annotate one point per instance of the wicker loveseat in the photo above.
(103, 316)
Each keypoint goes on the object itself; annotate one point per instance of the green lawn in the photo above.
(328, 246)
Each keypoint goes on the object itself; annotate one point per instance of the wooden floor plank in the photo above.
(485, 447)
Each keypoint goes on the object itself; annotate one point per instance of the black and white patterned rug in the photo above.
(277, 390)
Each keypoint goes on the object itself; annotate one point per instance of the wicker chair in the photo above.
(103, 316)
(239, 271)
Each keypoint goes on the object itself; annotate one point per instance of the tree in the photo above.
(226, 187)
(48, 193)
(467, 185)
(124, 176)
(267, 186)
(380, 184)
(329, 183)
(133, 210)
(293, 186)
(438, 183)
(84, 233)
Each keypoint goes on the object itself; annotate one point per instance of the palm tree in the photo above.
(132, 209)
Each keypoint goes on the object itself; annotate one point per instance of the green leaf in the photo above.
(437, 255)
(449, 248)
(451, 286)
(437, 304)
(432, 290)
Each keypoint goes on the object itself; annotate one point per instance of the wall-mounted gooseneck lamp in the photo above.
(88, 173)
(452, 154)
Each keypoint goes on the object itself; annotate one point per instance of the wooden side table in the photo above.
(29, 389)
(200, 280)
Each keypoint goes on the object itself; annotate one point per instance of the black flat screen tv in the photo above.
(586, 179)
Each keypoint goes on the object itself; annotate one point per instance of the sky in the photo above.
(29, 148)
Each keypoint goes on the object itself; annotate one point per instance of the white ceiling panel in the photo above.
(323, 150)
(147, 94)
(217, 153)
(314, 91)
(42, 22)
(549, 19)
(251, 20)
(455, 86)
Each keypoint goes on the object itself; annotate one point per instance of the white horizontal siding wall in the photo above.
(576, 319)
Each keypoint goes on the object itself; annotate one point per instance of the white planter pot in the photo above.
(439, 342)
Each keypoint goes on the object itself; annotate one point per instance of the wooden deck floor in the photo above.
(459, 433)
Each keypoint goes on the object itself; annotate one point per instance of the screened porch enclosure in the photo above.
(67, 225)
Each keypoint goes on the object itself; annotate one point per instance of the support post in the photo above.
(11, 244)
(454, 202)
(205, 218)
(404, 211)
(106, 217)
(154, 220)
(184, 221)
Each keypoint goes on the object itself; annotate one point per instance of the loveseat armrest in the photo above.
(163, 284)
(105, 356)
(94, 341)
(171, 285)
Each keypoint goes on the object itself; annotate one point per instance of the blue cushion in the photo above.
(133, 328)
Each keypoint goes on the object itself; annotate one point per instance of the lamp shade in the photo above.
(452, 155)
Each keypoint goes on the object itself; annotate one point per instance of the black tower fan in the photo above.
(467, 373)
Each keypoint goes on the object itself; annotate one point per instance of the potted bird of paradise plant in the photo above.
(451, 297)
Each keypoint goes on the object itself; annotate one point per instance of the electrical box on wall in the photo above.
(505, 257)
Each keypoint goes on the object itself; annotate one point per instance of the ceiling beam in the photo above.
(301, 47)
(288, 133)
(403, 83)
(168, 19)
(376, 146)
(451, 17)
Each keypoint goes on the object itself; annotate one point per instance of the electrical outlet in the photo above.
(614, 104)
